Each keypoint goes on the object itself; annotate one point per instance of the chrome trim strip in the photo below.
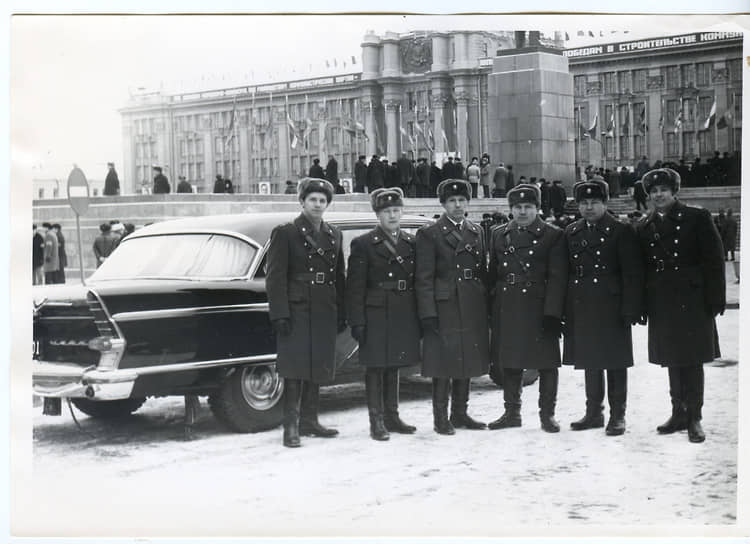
(114, 325)
(198, 365)
(167, 313)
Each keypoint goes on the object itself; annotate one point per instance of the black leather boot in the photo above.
(393, 422)
(548, 399)
(292, 393)
(459, 404)
(617, 392)
(309, 424)
(440, 394)
(374, 390)
(678, 420)
(512, 387)
(694, 383)
(594, 418)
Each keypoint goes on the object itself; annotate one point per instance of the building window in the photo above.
(639, 118)
(199, 173)
(218, 145)
(41, 193)
(579, 84)
(688, 109)
(609, 146)
(624, 118)
(688, 75)
(673, 106)
(673, 77)
(183, 148)
(735, 99)
(705, 141)
(639, 145)
(639, 80)
(735, 69)
(688, 144)
(624, 148)
(625, 82)
(703, 74)
(410, 101)
(609, 84)
(672, 148)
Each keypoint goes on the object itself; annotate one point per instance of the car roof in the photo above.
(257, 226)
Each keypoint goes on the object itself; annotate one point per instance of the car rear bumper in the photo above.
(69, 380)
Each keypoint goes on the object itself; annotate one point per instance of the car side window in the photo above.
(349, 234)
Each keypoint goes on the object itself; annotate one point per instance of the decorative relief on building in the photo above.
(392, 105)
(370, 106)
(654, 82)
(440, 100)
(464, 97)
(416, 55)
(593, 87)
(719, 75)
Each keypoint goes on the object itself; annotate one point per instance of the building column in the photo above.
(466, 116)
(127, 184)
(284, 152)
(391, 126)
(244, 180)
(443, 114)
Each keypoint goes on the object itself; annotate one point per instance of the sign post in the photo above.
(78, 197)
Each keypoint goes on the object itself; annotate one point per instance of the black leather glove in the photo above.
(430, 324)
(359, 333)
(629, 320)
(341, 325)
(552, 325)
(282, 327)
(715, 309)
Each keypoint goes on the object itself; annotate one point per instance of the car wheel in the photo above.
(108, 409)
(249, 400)
(530, 375)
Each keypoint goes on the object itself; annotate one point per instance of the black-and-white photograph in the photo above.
(376, 275)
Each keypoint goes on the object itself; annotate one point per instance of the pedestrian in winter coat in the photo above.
(332, 171)
(51, 254)
(316, 171)
(485, 175)
(500, 181)
(436, 175)
(448, 170)
(63, 256)
(557, 198)
(37, 256)
(729, 234)
(473, 174)
(382, 309)
(528, 273)
(305, 284)
(105, 243)
(111, 182)
(423, 178)
(360, 175)
(161, 183)
(605, 298)
(405, 173)
(375, 174)
(219, 184)
(184, 186)
(685, 291)
(392, 176)
(452, 304)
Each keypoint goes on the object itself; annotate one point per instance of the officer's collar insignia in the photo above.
(455, 186)
(521, 194)
(588, 191)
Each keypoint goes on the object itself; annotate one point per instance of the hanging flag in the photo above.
(567, 37)
(661, 117)
(591, 132)
(642, 120)
(293, 130)
(711, 116)
(678, 119)
(328, 64)
(269, 125)
(230, 131)
(354, 59)
(611, 126)
(626, 122)
(445, 138)
(591, 34)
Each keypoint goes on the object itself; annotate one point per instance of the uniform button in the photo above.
(652, 244)
(459, 279)
(505, 264)
(505, 288)
(531, 252)
(676, 241)
(523, 290)
(596, 280)
(676, 267)
(390, 274)
(598, 252)
(675, 254)
(533, 241)
(678, 227)
(596, 266)
(312, 283)
(575, 281)
(311, 270)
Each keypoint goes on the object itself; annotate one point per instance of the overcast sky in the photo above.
(70, 74)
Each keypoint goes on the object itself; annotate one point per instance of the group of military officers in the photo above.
(457, 302)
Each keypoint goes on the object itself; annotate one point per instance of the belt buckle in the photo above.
(660, 265)
(320, 277)
(401, 285)
(468, 274)
(511, 278)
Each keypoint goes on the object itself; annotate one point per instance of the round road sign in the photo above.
(78, 191)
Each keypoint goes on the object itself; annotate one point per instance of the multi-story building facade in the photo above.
(425, 94)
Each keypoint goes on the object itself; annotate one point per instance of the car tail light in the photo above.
(100, 343)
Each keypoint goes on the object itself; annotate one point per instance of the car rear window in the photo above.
(178, 256)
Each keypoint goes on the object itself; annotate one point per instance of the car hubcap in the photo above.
(261, 386)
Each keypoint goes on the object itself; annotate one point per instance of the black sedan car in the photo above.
(179, 308)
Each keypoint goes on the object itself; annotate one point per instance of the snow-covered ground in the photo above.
(142, 478)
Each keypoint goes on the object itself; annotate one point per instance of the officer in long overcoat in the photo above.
(382, 309)
(305, 283)
(529, 272)
(452, 305)
(685, 291)
(605, 298)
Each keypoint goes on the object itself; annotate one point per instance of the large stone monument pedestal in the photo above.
(530, 99)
